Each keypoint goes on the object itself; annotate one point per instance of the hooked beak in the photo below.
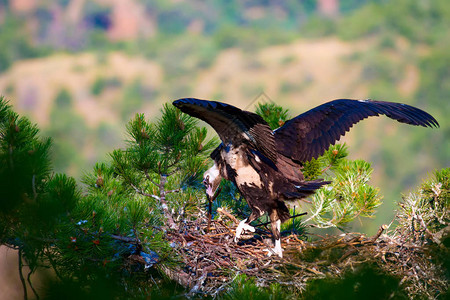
(209, 189)
(211, 182)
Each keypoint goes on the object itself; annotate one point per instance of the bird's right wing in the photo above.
(308, 135)
(232, 124)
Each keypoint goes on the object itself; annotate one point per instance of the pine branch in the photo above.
(173, 172)
(33, 186)
(125, 239)
(22, 279)
(53, 263)
(175, 162)
(149, 178)
(173, 191)
(326, 168)
(31, 285)
(144, 193)
(163, 201)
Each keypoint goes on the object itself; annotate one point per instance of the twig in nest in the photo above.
(378, 234)
(227, 214)
(347, 254)
(225, 225)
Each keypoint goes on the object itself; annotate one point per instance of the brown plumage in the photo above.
(265, 165)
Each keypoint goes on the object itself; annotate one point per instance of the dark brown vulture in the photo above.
(265, 165)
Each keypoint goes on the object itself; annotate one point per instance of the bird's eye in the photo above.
(206, 180)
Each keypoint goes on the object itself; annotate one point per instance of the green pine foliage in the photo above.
(273, 114)
(164, 163)
(35, 205)
(243, 287)
(312, 169)
(424, 214)
(24, 158)
(25, 171)
(367, 280)
(111, 234)
(348, 196)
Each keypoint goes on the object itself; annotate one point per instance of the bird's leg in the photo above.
(209, 212)
(210, 202)
(277, 236)
(245, 225)
(276, 227)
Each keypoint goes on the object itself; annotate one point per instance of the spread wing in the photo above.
(232, 124)
(308, 135)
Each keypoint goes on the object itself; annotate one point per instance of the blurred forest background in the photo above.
(81, 69)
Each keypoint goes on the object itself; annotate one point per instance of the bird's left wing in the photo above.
(308, 135)
(232, 124)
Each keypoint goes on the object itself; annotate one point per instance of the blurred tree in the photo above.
(16, 42)
(134, 96)
(433, 91)
(69, 131)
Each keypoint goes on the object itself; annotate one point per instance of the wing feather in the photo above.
(308, 135)
(232, 124)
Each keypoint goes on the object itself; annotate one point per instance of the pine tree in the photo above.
(33, 202)
(112, 234)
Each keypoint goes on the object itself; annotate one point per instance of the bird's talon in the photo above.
(272, 251)
(241, 227)
(277, 250)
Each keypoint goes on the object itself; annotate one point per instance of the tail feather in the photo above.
(295, 192)
(305, 189)
(312, 185)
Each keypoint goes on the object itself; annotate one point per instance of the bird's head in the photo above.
(211, 180)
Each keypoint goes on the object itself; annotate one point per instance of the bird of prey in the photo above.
(266, 165)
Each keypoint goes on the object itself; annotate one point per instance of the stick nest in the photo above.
(212, 260)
